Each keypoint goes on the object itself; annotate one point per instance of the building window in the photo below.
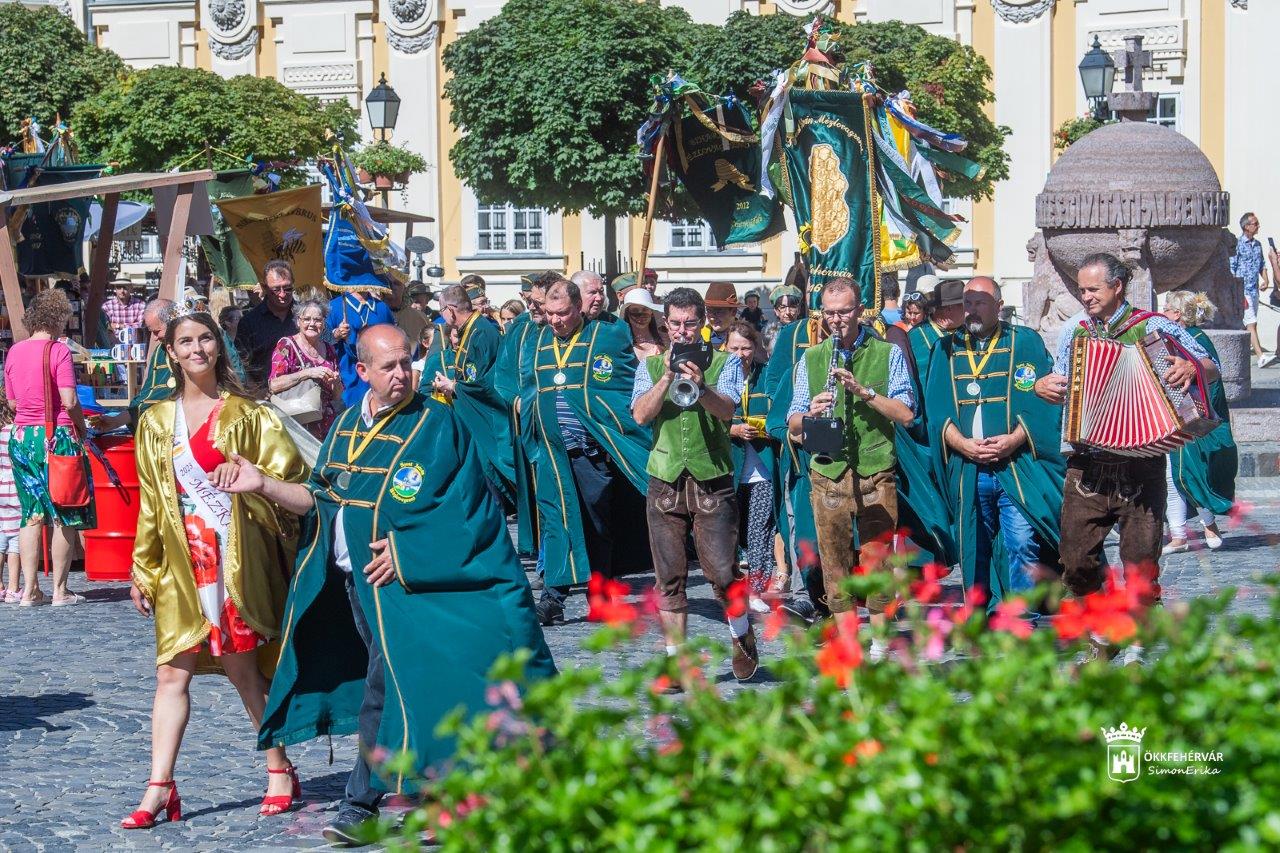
(691, 235)
(502, 228)
(1164, 112)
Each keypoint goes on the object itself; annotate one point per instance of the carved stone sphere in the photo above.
(1128, 178)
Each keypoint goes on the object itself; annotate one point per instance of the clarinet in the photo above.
(824, 437)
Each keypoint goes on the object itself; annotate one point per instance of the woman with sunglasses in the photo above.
(913, 313)
(641, 312)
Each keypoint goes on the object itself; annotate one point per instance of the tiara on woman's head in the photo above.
(185, 308)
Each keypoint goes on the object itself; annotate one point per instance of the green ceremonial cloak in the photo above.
(791, 485)
(1032, 477)
(514, 380)
(1205, 470)
(459, 601)
(156, 384)
(477, 403)
(599, 374)
(922, 338)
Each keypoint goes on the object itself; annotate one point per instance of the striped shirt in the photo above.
(10, 509)
(572, 431)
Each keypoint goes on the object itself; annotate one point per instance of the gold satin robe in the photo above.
(261, 544)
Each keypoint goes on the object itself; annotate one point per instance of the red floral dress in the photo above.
(289, 358)
(231, 635)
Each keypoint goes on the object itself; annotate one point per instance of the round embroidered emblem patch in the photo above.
(406, 481)
(1024, 377)
(602, 368)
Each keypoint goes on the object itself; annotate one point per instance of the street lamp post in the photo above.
(1097, 76)
(383, 106)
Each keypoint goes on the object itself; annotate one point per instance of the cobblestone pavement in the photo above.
(74, 715)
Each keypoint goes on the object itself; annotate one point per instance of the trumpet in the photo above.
(684, 392)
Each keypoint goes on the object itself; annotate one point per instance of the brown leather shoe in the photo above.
(746, 660)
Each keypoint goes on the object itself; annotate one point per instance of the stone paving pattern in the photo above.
(75, 714)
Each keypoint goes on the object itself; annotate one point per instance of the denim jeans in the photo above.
(999, 515)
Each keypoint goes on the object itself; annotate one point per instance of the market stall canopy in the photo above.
(109, 188)
(128, 215)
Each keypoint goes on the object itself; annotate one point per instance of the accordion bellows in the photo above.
(1120, 403)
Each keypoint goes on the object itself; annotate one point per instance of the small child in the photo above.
(10, 510)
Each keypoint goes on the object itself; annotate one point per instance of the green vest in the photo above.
(868, 435)
(690, 439)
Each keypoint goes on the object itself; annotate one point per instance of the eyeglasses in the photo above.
(684, 324)
(280, 288)
(915, 296)
(843, 312)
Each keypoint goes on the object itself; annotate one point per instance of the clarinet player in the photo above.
(1104, 489)
(853, 478)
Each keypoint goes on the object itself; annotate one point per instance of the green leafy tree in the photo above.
(949, 82)
(155, 119)
(46, 66)
(549, 93)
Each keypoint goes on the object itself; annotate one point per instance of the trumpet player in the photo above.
(690, 404)
(866, 390)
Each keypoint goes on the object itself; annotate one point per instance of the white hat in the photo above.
(640, 296)
(927, 283)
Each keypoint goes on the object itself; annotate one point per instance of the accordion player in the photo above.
(1119, 401)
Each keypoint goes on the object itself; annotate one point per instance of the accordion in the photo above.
(1119, 402)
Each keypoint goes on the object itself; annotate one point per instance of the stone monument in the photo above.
(1149, 196)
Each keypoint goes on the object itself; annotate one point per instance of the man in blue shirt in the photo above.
(1246, 265)
(350, 312)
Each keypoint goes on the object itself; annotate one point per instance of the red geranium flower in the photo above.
(928, 589)
(736, 599)
(841, 653)
(606, 601)
(1008, 617)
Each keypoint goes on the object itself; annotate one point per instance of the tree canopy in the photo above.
(548, 93)
(154, 119)
(46, 66)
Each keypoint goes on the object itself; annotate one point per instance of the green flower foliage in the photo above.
(46, 66)
(548, 95)
(1000, 748)
(155, 119)
(1073, 129)
(383, 158)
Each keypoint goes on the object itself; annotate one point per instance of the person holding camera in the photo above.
(689, 394)
(847, 427)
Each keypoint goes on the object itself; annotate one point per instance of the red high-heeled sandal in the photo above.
(172, 807)
(281, 803)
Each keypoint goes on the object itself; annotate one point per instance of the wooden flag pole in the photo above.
(658, 152)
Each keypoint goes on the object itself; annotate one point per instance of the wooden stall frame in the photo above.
(109, 188)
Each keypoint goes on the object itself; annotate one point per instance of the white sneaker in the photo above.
(879, 650)
(1132, 654)
(757, 605)
(1213, 540)
(1176, 548)
(1268, 359)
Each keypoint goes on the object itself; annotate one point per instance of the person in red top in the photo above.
(26, 384)
(211, 569)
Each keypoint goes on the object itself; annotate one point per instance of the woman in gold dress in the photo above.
(211, 568)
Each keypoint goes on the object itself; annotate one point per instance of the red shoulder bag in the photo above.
(68, 479)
